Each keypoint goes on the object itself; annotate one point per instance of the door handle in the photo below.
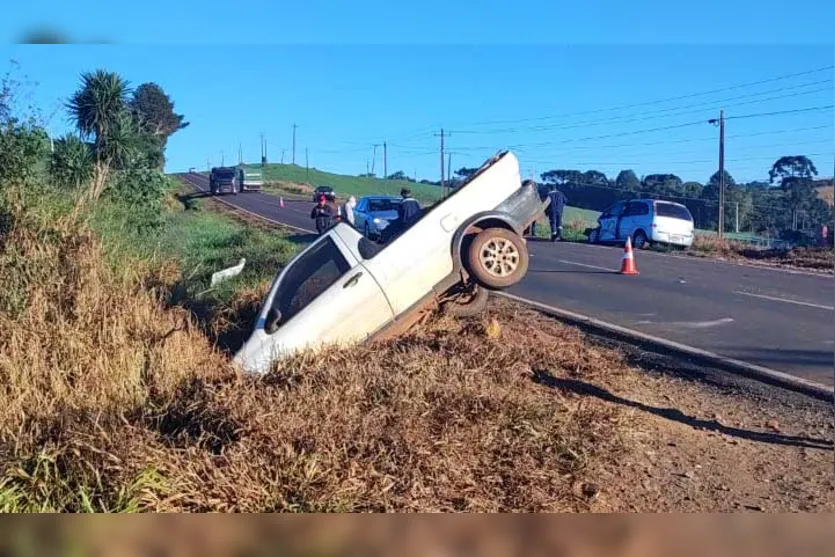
(352, 281)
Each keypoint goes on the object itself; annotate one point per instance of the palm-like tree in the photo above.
(100, 112)
(71, 163)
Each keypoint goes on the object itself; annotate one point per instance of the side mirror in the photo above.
(273, 320)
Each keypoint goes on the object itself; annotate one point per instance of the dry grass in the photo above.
(113, 400)
(819, 259)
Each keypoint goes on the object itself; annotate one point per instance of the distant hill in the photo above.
(344, 185)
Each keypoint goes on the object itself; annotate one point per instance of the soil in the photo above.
(706, 440)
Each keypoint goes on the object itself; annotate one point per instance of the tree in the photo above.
(465, 173)
(594, 178)
(627, 180)
(711, 189)
(23, 148)
(692, 189)
(71, 162)
(795, 174)
(562, 177)
(662, 184)
(99, 109)
(399, 175)
(153, 110)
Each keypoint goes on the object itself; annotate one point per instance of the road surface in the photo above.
(774, 318)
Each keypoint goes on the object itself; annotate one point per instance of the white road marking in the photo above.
(688, 324)
(762, 371)
(775, 299)
(587, 265)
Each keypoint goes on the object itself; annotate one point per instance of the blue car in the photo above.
(373, 214)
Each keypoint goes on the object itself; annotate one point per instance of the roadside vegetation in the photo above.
(117, 394)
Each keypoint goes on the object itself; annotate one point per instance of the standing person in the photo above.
(555, 210)
(322, 215)
(409, 209)
(348, 210)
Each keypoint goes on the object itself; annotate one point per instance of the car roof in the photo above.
(381, 197)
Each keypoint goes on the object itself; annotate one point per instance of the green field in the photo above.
(357, 186)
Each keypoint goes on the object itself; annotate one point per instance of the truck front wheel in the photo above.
(497, 258)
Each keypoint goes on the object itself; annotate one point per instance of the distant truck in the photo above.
(250, 180)
(234, 180)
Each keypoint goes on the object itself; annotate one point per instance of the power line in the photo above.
(704, 161)
(659, 101)
(638, 117)
(779, 112)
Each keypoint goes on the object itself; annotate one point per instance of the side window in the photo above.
(636, 208)
(311, 275)
(614, 211)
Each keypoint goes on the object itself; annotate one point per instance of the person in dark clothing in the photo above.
(555, 210)
(322, 215)
(409, 209)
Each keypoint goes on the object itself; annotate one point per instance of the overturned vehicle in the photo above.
(345, 289)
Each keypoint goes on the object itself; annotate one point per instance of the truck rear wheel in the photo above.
(497, 258)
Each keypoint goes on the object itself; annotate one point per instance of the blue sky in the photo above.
(550, 103)
(429, 21)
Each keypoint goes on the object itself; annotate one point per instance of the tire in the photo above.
(497, 258)
(468, 305)
(639, 240)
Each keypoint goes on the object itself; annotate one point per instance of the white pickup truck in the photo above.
(344, 289)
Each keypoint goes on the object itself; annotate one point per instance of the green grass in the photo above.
(201, 241)
(347, 185)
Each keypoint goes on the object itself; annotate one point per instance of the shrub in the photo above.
(71, 163)
(141, 192)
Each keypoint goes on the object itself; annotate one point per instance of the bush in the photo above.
(23, 147)
(71, 163)
(141, 192)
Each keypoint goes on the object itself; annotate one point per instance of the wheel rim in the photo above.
(639, 240)
(499, 257)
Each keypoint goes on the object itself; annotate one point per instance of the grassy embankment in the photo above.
(117, 394)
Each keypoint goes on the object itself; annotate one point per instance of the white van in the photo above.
(645, 221)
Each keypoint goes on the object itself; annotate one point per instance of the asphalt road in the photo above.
(774, 318)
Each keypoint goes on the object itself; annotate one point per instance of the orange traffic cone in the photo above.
(281, 202)
(627, 263)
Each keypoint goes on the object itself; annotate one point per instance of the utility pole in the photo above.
(208, 165)
(721, 122)
(294, 142)
(374, 157)
(282, 156)
(263, 150)
(306, 166)
(385, 161)
(443, 183)
(737, 218)
(449, 167)
(221, 158)
(240, 153)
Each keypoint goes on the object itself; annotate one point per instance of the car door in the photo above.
(635, 213)
(608, 222)
(359, 214)
(325, 296)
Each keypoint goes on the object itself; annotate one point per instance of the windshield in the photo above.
(672, 210)
(379, 205)
(224, 172)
